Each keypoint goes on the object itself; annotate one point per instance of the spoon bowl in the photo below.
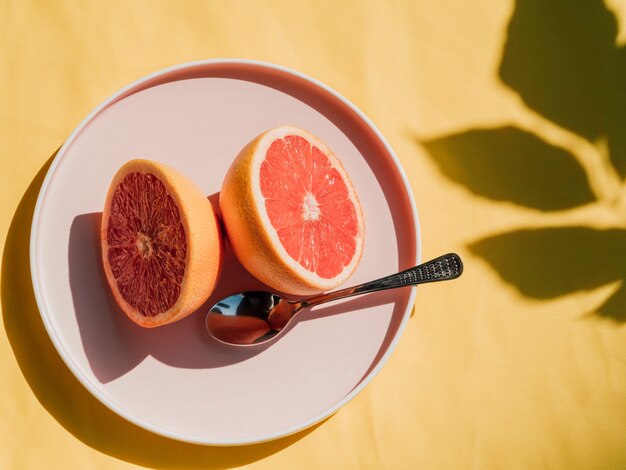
(255, 317)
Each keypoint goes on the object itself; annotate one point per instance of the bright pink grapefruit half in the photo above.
(291, 212)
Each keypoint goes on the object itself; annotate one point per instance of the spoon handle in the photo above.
(442, 268)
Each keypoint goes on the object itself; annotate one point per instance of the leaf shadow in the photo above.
(563, 60)
(65, 398)
(509, 164)
(551, 262)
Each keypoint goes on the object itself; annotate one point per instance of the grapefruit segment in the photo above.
(147, 258)
(291, 212)
(161, 243)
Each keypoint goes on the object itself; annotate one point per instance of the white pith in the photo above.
(310, 208)
(144, 245)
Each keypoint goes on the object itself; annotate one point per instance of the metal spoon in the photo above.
(256, 317)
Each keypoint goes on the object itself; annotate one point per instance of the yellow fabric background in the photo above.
(485, 375)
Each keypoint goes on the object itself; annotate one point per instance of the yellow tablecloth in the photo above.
(509, 120)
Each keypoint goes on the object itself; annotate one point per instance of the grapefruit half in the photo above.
(291, 212)
(161, 243)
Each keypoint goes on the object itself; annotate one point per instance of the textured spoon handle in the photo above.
(443, 268)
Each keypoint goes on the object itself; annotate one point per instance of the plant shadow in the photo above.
(510, 165)
(563, 60)
(551, 262)
(65, 398)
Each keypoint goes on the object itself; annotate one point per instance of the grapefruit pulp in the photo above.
(161, 243)
(291, 212)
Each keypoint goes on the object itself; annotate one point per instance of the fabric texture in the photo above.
(508, 118)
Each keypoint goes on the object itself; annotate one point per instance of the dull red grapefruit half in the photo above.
(291, 212)
(161, 243)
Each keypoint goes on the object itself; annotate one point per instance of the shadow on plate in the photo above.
(62, 395)
(114, 345)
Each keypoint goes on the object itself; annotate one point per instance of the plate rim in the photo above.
(40, 298)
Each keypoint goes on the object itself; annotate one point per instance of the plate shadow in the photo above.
(52, 382)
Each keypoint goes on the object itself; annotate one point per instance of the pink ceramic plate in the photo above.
(175, 380)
